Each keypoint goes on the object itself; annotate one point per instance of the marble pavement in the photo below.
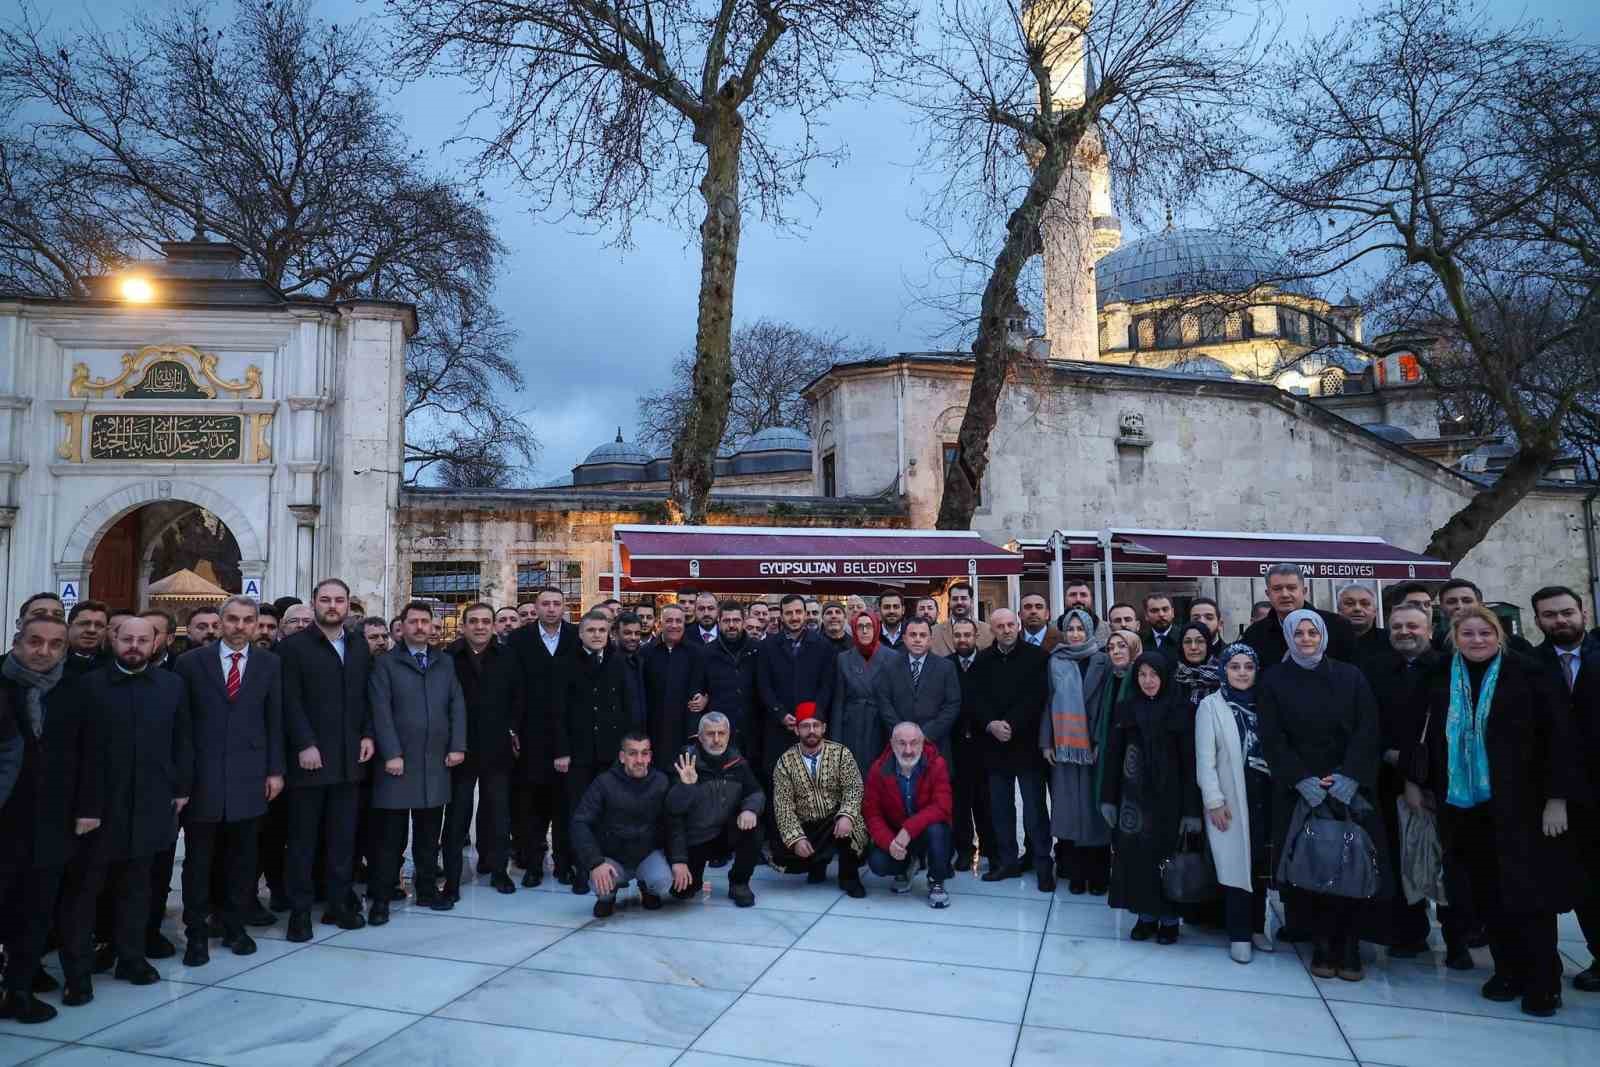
(1004, 976)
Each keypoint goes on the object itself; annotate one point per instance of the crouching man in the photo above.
(908, 812)
(816, 803)
(622, 830)
(720, 802)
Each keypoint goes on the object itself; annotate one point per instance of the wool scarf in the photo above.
(37, 686)
(1464, 728)
(1069, 718)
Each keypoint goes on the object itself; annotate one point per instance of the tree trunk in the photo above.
(694, 453)
(1467, 528)
(991, 349)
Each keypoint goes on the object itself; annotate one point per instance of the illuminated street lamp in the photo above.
(137, 290)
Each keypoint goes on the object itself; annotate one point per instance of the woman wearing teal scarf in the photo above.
(1500, 766)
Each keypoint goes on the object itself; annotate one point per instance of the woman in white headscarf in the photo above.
(1318, 724)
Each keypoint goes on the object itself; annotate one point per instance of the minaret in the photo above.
(1079, 224)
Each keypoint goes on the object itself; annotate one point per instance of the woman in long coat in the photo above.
(1500, 762)
(861, 688)
(1236, 790)
(1072, 737)
(1319, 732)
(1148, 796)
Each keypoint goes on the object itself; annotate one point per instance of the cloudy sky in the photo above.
(599, 325)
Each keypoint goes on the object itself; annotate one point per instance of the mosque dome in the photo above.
(617, 451)
(776, 439)
(1203, 366)
(1389, 432)
(1183, 263)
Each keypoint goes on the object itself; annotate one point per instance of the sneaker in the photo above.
(937, 897)
(740, 894)
(1240, 951)
(901, 884)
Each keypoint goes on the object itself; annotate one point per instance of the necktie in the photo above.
(1570, 661)
(233, 674)
(916, 673)
(421, 658)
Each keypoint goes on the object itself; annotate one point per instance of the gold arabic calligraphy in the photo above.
(170, 437)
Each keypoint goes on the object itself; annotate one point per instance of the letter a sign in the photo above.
(251, 587)
(69, 594)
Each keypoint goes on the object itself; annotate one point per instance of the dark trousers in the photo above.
(272, 839)
(27, 910)
(932, 845)
(1589, 887)
(128, 883)
(973, 828)
(161, 865)
(1035, 818)
(392, 824)
(825, 847)
(493, 816)
(1523, 943)
(744, 845)
(1244, 912)
(366, 830)
(544, 815)
(325, 814)
(1084, 863)
(228, 848)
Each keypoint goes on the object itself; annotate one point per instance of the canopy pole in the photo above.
(1383, 621)
(1111, 589)
(1099, 589)
(1058, 591)
(1014, 591)
(616, 568)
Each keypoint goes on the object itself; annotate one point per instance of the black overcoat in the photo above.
(731, 684)
(672, 675)
(594, 714)
(1011, 687)
(532, 675)
(787, 676)
(238, 744)
(145, 755)
(57, 783)
(482, 680)
(325, 705)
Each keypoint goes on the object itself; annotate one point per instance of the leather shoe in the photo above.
(157, 947)
(579, 883)
(105, 958)
(261, 916)
(1000, 874)
(650, 901)
(563, 874)
(853, 888)
(377, 913)
(346, 920)
(1542, 1005)
(531, 879)
(1167, 934)
(1585, 981)
(1457, 958)
(1047, 881)
(25, 1008)
(43, 983)
(240, 944)
(502, 882)
(1077, 887)
(196, 953)
(604, 906)
(1143, 930)
(300, 926)
(137, 972)
(1501, 989)
(78, 994)
(740, 894)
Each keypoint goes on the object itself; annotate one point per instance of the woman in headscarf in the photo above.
(1500, 757)
(1197, 676)
(1318, 724)
(1072, 737)
(1148, 797)
(1236, 790)
(861, 689)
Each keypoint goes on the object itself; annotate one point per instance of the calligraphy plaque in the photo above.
(166, 437)
(167, 379)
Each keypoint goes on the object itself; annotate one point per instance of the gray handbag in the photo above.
(1328, 851)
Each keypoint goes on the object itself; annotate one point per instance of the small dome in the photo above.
(777, 439)
(1203, 366)
(618, 451)
(1389, 432)
(1184, 262)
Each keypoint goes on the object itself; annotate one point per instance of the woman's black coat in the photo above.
(1151, 742)
(1314, 723)
(1531, 760)
(57, 784)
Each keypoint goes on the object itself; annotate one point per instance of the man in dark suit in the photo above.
(926, 690)
(487, 766)
(730, 671)
(794, 667)
(537, 654)
(1160, 633)
(86, 633)
(592, 714)
(705, 629)
(144, 754)
(326, 721)
(1574, 657)
(1011, 698)
(892, 614)
(974, 825)
(54, 799)
(1286, 590)
(674, 688)
(236, 705)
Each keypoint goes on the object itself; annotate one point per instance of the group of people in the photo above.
(309, 745)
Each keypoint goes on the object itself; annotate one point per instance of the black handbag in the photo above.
(1328, 851)
(1188, 876)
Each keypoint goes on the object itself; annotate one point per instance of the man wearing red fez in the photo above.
(816, 802)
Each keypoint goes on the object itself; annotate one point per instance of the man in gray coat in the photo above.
(924, 689)
(419, 724)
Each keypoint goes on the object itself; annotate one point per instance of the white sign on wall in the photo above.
(69, 593)
(251, 587)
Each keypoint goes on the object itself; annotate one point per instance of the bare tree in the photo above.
(1458, 158)
(269, 131)
(612, 109)
(1022, 104)
(470, 434)
(772, 362)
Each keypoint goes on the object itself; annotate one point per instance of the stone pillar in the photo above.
(305, 543)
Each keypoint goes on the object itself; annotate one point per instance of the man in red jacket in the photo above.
(908, 812)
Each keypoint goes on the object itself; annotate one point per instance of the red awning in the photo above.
(1079, 553)
(1202, 554)
(756, 557)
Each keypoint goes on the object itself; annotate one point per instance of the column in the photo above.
(305, 543)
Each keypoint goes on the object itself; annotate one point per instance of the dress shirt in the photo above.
(551, 640)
